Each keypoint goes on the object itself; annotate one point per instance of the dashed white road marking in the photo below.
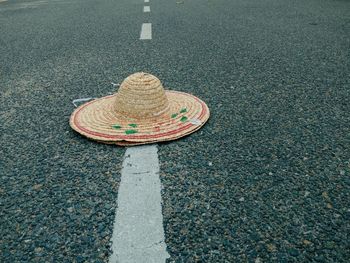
(146, 9)
(138, 234)
(146, 31)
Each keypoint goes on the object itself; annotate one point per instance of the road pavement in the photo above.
(265, 180)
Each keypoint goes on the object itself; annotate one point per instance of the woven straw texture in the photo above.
(141, 112)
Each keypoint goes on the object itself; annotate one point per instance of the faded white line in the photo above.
(146, 31)
(138, 234)
(146, 9)
(146, 1)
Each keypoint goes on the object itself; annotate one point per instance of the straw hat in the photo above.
(140, 112)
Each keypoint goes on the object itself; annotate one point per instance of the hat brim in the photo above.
(99, 121)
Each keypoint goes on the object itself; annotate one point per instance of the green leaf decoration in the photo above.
(174, 115)
(183, 118)
(183, 110)
(116, 126)
(133, 125)
(131, 132)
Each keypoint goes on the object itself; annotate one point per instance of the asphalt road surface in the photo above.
(265, 180)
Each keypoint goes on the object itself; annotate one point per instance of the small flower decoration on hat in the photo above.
(130, 128)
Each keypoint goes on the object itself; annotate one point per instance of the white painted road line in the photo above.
(146, 1)
(146, 31)
(146, 9)
(138, 234)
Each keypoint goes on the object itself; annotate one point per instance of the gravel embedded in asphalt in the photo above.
(266, 180)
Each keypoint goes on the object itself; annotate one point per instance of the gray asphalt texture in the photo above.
(265, 180)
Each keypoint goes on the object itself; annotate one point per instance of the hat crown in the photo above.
(141, 95)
